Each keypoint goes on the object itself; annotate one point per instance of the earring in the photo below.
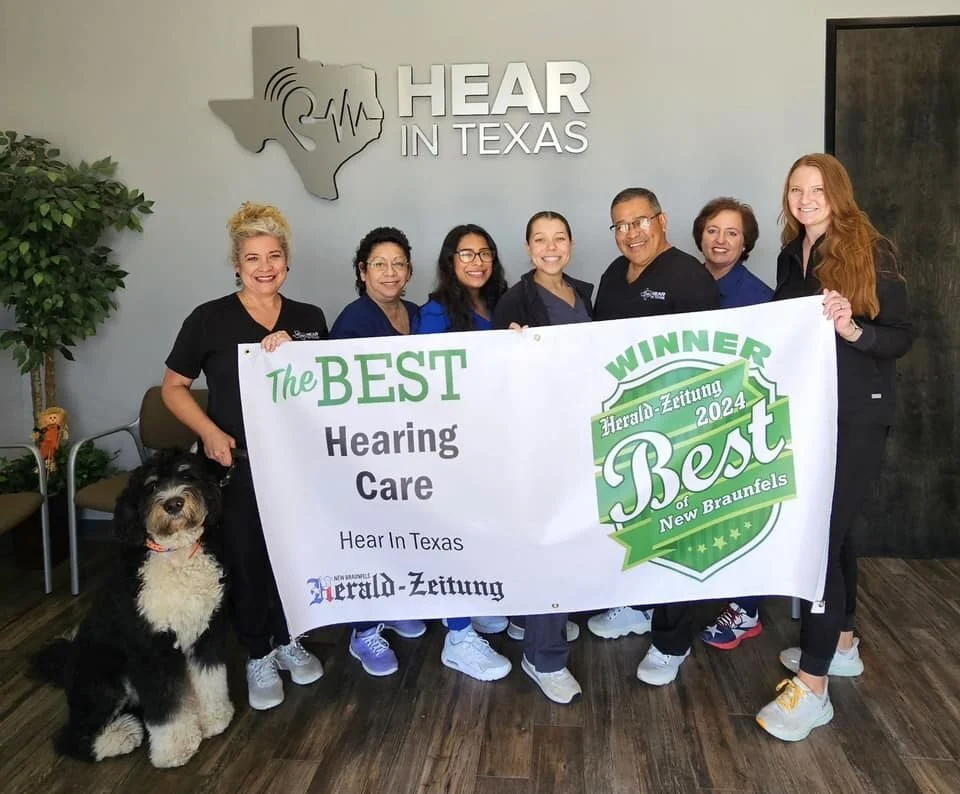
(236, 278)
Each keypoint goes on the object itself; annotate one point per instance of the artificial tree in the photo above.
(55, 271)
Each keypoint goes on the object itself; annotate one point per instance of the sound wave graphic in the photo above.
(337, 114)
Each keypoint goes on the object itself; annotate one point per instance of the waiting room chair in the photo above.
(154, 428)
(15, 507)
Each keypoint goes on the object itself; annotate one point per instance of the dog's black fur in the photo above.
(151, 651)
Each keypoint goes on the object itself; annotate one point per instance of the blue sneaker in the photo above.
(373, 652)
(732, 627)
(407, 629)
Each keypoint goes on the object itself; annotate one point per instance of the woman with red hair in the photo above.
(831, 248)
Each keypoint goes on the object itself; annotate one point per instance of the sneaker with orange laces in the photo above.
(796, 711)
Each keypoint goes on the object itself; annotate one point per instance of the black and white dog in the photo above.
(151, 651)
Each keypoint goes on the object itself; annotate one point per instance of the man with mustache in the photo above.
(650, 278)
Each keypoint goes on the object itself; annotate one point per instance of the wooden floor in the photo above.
(429, 729)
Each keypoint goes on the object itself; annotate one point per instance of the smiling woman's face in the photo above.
(386, 272)
(549, 245)
(263, 265)
(476, 273)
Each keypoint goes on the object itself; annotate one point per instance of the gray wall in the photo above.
(692, 99)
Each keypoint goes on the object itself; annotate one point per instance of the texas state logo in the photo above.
(692, 451)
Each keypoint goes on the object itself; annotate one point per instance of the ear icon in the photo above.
(298, 108)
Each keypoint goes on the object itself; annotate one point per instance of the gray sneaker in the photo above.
(795, 712)
(659, 669)
(620, 621)
(470, 653)
(846, 665)
(303, 666)
(560, 687)
(264, 687)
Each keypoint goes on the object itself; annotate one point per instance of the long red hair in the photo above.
(848, 254)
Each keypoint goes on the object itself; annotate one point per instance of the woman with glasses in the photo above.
(546, 295)
(830, 248)
(382, 269)
(470, 281)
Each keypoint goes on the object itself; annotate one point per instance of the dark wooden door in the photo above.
(893, 118)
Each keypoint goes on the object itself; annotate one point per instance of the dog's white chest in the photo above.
(180, 595)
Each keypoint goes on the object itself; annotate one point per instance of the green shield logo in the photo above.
(693, 460)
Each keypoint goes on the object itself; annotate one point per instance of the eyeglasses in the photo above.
(643, 222)
(467, 255)
(380, 265)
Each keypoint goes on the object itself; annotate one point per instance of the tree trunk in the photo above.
(36, 394)
(49, 379)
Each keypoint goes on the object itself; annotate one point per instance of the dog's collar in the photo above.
(153, 546)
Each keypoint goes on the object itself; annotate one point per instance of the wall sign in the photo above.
(324, 114)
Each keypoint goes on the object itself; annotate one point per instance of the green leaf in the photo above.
(68, 219)
(38, 279)
(24, 247)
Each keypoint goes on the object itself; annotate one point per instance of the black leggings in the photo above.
(859, 461)
(255, 607)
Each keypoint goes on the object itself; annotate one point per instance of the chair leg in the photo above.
(72, 530)
(45, 534)
(795, 608)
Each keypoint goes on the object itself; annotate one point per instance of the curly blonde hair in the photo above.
(253, 220)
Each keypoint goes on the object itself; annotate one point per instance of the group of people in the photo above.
(829, 248)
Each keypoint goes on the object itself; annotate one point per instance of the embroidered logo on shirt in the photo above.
(653, 295)
(301, 335)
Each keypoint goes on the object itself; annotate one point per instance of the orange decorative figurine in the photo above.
(50, 433)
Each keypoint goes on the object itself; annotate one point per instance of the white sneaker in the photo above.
(515, 632)
(658, 669)
(470, 653)
(620, 621)
(796, 711)
(303, 666)
(560, 686)
(264, 687)
(844, 663)
(489, 625)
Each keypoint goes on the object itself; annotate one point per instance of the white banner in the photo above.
(556, 469)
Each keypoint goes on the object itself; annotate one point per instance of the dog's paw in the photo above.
(174, 743)
(215, 721)
(122, 736)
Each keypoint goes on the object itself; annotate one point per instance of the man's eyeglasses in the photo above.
(380, 265)
(642, 223)
(467, 255)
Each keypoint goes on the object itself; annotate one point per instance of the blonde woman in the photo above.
(255, 313)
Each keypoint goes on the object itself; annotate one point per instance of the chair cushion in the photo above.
(14, 507)
(103, 495)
